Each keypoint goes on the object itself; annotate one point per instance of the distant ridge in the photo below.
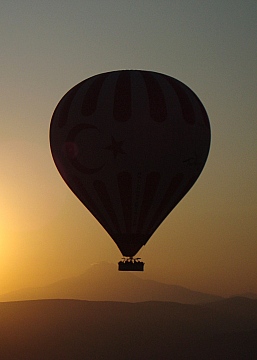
(103, 282)
(248, 295)
(97, 330)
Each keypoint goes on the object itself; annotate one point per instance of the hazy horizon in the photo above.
(208, 242)
(92, 285)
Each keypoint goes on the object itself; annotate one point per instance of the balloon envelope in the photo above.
(130, 144)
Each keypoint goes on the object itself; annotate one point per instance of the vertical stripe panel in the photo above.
(91, 97)
(122, 97)
(82, 193)
(65, 104)
(106, 202)
(205, 116)
(157, 104)
(151, 185)
(184, 100)
(125, 190)
(166, 201)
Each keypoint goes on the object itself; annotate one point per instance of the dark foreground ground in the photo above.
(76, 330)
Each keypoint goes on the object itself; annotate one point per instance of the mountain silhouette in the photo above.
(79, 329)
(103, 282)
(249, 295)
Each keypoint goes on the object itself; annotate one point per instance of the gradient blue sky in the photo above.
(208, 242)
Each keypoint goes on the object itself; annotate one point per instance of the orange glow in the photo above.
(208, 243)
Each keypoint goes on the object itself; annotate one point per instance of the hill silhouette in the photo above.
(103, 282)
(76, 330)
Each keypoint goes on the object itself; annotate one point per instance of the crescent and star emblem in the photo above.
(115, 147)
(72, 149)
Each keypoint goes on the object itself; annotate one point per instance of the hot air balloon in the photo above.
(130, 144)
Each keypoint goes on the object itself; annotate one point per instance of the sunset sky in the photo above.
(209, 241)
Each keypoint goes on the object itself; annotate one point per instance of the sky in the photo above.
(208, 242)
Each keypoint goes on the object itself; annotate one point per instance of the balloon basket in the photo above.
(131, 264)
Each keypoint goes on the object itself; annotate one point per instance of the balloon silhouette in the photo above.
(130, 144)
